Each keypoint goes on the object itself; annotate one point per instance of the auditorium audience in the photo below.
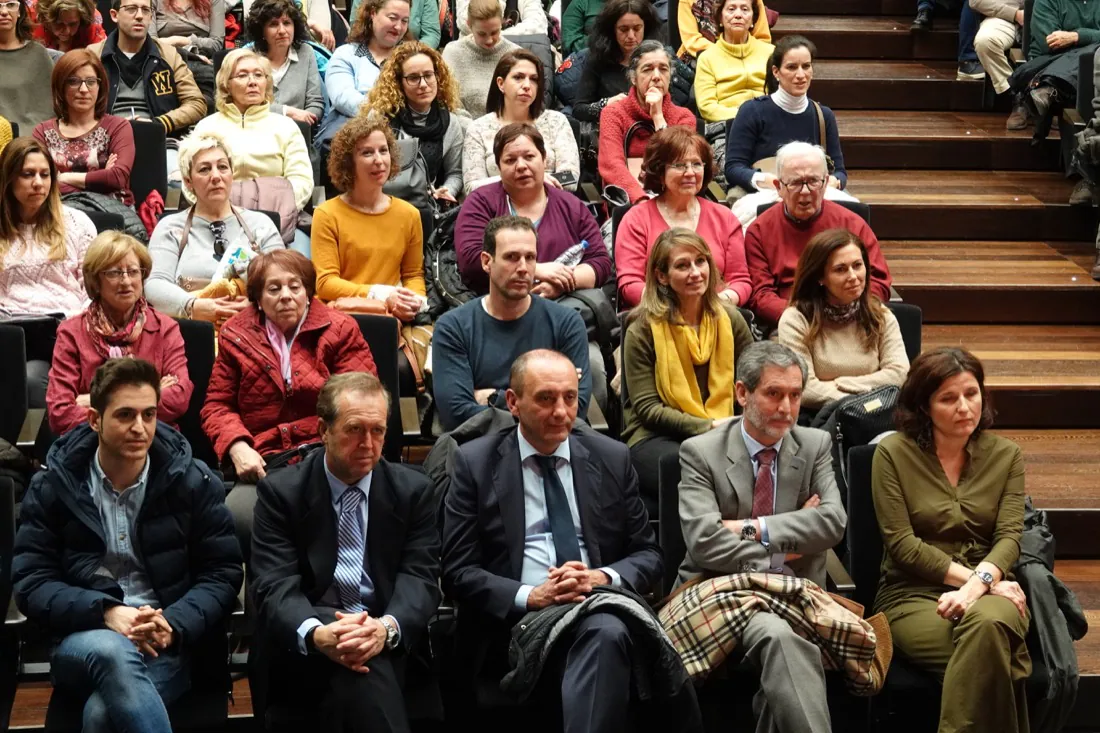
(423, 21)
(949, 497)
(850, 342)
(679, 355)
(318, 15)
(733, 70)
(118, 322)
(125, 556)
(26, 69)
(766, 123)
(527, 19)
(92, 150)
(649, 106)
(677, 166)
(366, 243)
(64, 25)
(278, 29)
(1001, 21)
(273, 359)
(197, 26)
(619, 26)
(699, 28)
(774, 242)
(417, 95)
(345, 574)
(518, 95)
(475, 344)
(473, 58)
(149, 79)
(187, 247)
(353, 69)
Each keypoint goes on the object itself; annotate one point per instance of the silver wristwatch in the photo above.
(986, 578)
(748, 531)
(393, 636)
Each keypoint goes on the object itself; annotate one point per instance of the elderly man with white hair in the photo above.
(776, 239)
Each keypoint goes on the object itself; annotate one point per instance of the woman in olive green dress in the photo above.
(949, 499)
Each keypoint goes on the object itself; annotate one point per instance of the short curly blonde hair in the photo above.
(193, 144)
(341, 160)
(387, 97)
(229, 67)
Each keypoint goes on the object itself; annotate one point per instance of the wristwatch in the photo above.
(393, 636)
(748, 531)
(985, 577)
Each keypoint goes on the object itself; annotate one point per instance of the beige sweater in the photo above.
(839, 365)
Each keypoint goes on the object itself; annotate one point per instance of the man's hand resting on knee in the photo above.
(568, 584)
(351, 640)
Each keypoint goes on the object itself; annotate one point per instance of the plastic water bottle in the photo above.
(572, 256)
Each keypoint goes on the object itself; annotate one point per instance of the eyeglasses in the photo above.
(694, 166)
(75, 83)
(416, 79)
(132, 273)
(813, 184)
(135, 10)
(217, 229)
(249, 75)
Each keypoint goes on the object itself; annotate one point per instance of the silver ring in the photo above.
(956, 618)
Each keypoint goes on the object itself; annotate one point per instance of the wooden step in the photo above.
(901, 85)
(1037, 376)
(871, 37)
(844, 7)
(993, 282)
(979, 205)
(1063, 478)
(940, 140)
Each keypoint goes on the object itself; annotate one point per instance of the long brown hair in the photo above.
(494, 100)
(659, 301)
(49, 227)
(808, 294)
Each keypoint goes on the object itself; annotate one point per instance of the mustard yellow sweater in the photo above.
(730, 74)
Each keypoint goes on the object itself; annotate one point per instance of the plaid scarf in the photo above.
(705, 620)
(109, 341)
(703, 10)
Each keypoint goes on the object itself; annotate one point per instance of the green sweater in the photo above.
(644, 414)
(1082, 16)
(576, 24)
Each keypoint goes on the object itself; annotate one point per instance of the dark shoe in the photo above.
(1040, 97)
(1019, 119)
(923, 21)
(970, 71)
(1082, 194)
(1096, 268)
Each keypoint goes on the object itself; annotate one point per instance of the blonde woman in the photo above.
(678, 360)
(474, 57)
(417, 95)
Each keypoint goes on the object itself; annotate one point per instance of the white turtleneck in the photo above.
(789, 102)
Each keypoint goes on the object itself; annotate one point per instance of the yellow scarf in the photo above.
(679, 349)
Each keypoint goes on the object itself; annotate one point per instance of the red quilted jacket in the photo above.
(247, 398)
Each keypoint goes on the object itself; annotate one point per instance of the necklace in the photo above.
(377, 209)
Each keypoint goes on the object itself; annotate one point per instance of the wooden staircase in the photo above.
(975, 224)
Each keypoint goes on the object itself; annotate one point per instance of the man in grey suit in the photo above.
(758, 494)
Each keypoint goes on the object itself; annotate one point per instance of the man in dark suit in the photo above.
(537, 516)
(345, 557)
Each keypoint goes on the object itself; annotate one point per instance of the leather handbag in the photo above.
(860, 418)
(635, 164)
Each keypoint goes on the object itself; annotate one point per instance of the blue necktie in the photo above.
(349, 551)
(566, 545)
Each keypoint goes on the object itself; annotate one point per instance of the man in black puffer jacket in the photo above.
(126, 553)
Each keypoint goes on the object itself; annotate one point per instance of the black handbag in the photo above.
(856, 420)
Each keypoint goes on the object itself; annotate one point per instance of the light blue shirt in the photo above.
(754, 447)
(538, 546)
(118, 514)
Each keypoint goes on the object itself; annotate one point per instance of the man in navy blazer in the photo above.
(539, 515)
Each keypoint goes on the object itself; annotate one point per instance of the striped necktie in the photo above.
(349, 551)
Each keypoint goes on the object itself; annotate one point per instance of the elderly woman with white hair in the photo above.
(265, 144)
(186, 247)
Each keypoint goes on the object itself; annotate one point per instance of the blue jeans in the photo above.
(926, 5)
(301, 241)
(969, 22)
(127, 692)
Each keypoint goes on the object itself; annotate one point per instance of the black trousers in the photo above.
(646, 457)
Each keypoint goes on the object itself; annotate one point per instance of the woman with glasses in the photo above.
(195, 25)
(187, 247)
(417, 94)
(25, 69)
(733, 70)
(65, 25)
(764, 124)
(118, 322)
(678, 164)
(279, 32)
(266, 145)
(93, 151)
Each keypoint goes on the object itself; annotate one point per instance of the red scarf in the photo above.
(111, 342)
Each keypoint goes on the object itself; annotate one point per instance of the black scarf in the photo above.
(130, 69)
(430, 134)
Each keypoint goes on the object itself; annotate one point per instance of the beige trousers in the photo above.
(995, 38)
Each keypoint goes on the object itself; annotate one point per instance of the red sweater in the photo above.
(640, 228)
(75, 360)
(615, 122)
(774, 243)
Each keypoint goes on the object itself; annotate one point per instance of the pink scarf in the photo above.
(282, 345)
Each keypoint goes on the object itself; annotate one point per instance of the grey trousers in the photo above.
(792, 681)
(241, 502)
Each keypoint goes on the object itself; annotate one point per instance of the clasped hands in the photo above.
(569, 583)
(954, 604)
(146, 627)
(352, 640)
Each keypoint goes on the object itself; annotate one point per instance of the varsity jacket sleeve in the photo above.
(192, 106)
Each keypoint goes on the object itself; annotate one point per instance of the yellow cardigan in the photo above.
(729, 75)
(693, 43)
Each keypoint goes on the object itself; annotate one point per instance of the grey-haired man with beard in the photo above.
(758, 494)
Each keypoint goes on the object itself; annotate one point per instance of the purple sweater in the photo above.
(565, 222)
